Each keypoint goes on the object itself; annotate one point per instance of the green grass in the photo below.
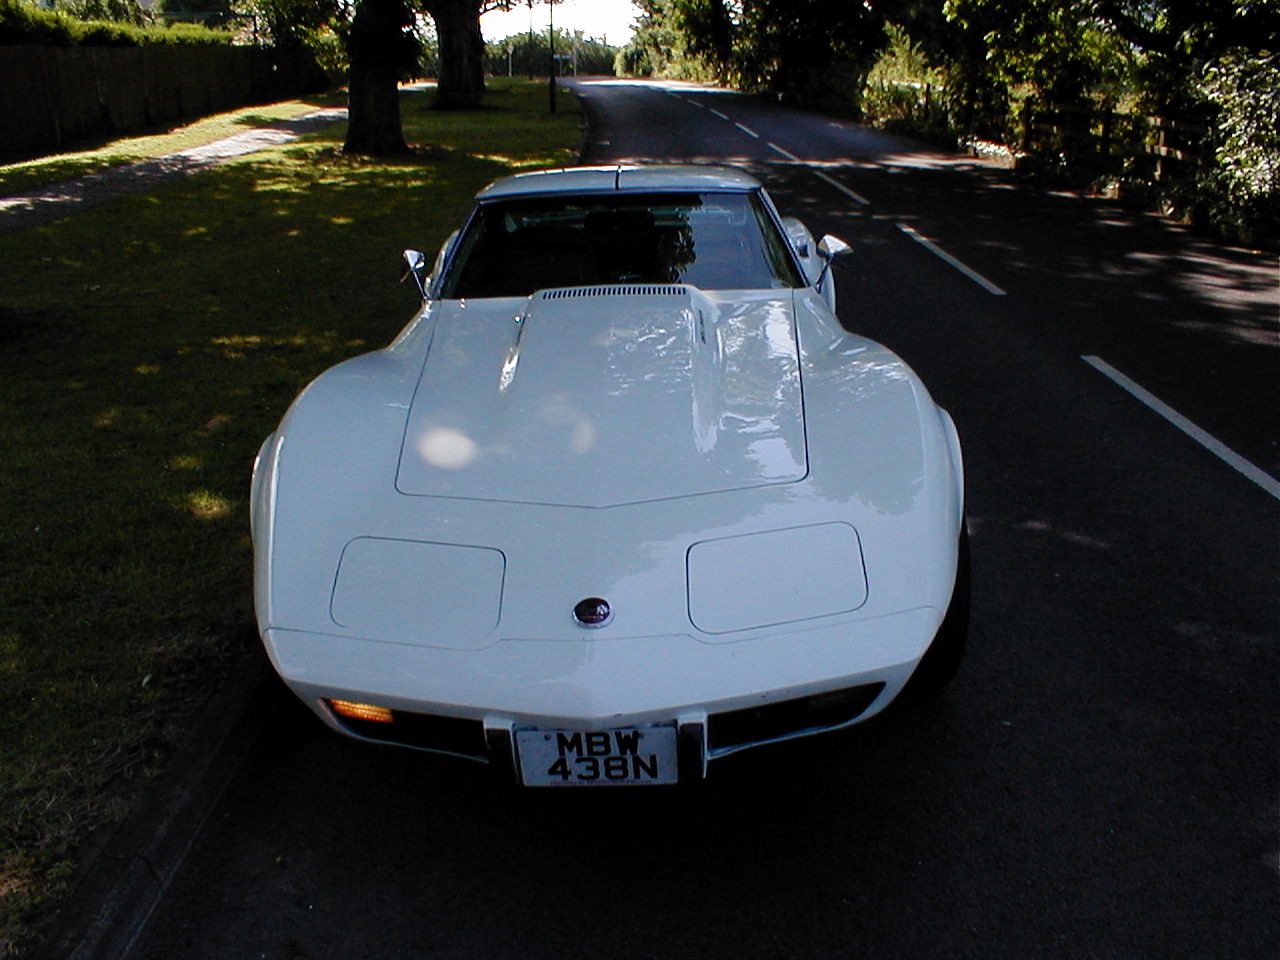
(146, 348)
(32, 174)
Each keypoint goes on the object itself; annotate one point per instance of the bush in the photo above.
(1240, 186)
(26, 24)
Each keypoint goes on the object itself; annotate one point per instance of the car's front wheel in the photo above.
(941, 661)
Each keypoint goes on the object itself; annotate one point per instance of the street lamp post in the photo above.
(551, 66)
(533, 63)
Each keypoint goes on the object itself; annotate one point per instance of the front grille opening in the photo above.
(456, 735)
(772, 721)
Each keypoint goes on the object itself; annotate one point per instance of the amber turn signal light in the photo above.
(361, 711)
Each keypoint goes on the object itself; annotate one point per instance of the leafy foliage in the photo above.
(115, 11)
(530, 56)
(767, 46)
(1241, 188)
(978, 69)
(209, 13)
(654, 50)
(25, 23)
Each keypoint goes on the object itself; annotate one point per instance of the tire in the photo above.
(941, 661)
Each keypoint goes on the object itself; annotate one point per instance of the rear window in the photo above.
(716, 241)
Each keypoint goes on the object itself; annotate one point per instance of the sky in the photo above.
(610, 19)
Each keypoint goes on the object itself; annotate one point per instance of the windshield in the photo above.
(716, 241)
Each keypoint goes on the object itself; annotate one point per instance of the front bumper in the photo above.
(723, 697)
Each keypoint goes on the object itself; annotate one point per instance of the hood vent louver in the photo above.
(617, 290)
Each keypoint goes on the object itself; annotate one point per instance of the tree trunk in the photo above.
(376, 47)
(461, 81)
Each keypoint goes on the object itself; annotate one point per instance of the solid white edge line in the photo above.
(937, 251)
(746, 129)
(1206, 440)
(855, 197)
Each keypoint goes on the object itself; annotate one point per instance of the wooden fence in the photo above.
(52, 97)
(1152, 148)
(1159, 148)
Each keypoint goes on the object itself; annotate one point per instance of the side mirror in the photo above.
(829, 247)
(416, 261)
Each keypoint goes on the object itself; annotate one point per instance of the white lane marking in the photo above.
(855, 197)
(1206, 440)
(937, 251)
(722, 116)
(746, 129)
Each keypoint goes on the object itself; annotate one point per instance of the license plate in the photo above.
(597, 758)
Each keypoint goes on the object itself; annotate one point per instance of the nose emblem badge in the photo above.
(593, 612)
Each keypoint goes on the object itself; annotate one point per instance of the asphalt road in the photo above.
(1099, 782)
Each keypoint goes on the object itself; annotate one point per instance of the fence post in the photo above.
(1162, 143)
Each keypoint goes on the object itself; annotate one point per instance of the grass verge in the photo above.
(146, 347)
(19, 177)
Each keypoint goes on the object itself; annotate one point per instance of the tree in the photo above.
(1194, 30)
(292, 25)
(812, 51)
(529, 54)
(460, 83)
(1241, 188)
(380, 46)
(654, 44)
(115, 11)
(776, 49)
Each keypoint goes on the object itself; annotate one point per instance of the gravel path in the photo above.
(63, 199)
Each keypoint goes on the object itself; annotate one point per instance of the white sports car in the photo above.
(621, 499)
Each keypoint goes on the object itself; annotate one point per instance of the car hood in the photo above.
(602, 396)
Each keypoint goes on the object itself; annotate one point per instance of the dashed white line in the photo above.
(937, 251)
(855, 197)
(782, 151)
(1205, 439)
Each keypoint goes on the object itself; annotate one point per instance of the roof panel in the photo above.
(638, 177)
